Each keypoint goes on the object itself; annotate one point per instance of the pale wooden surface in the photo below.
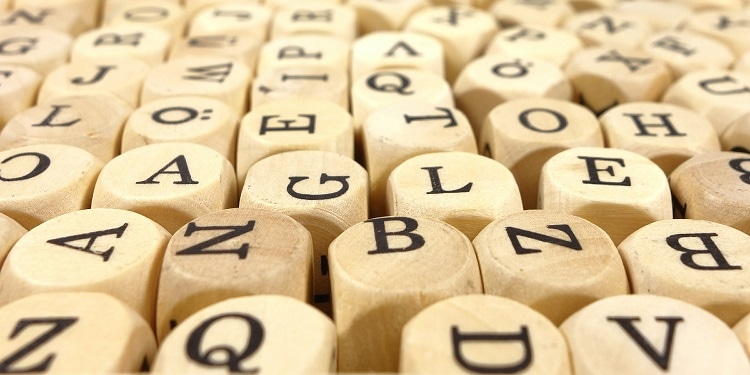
(699, 262)
(37, 48)
(164, 15)
(74, 333)
(736, 137)
(376, 15)
(551, 44)
(324, 191)
(10, 232)
(385, 271)
(315, 18)
(175, 182)
(241, 47)
(305, 50)
(232, 18)
(552, 13)
(654, 12)
(302, 82)
(528, 257)
(18, 89)
(120, 251)
(88, 9)
(686, 51)
(232, 253)
(40, 182)
(742, 64)
(742, 330)
(608, 29)
(642, 334)
(440, 339)
(727, 26)
(148, 44)
(396, 49)
(523, 134)
(63, 19)
(273, 334)
(617, 190)
(463, 189)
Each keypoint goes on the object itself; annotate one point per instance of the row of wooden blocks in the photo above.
(406, 292)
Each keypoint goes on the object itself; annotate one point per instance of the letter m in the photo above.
(210, 73)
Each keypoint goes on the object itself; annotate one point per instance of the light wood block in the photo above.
(463, 189)
(303, 82)
(523, 134)
(552, 13)
(642, 334)
(525, 257)
(57, 332)
(728, 26)
(494, 79)
(278, 4)
(609, 29)
(385, 50)
(482, 334)
(553, 45)
(708, 5)
(173, 184)
(481, 4)
(109, 7)
(742, 330)
(232, 18)
(463, 30)
(384, 272)
(712, 186)
(699, 262)
(289, 125)
(605, 77)
(99, 250)
(584, 5)
(193, 119)
(654, 12)
(40, 182)
(40, 49)
(304, 50)
(87, 9)
(684, 52)
(315, 18)
(165, 15)
(148, 44)
(742, 64)
(231, 253)
(241, 47)
(195, 6)
(719, 95)
(736, 137)
(665, 133)
(400, 131)
(93, 123)
(220, 78)
(10, 232)
(65, 20)
(5, 4)
(617, 190)
(18, 89)
(324, 191)
(122, 78)
(377, 15)
(268, 334)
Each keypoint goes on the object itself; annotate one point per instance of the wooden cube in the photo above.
(376, 15)
(742, 330)
(165, 15)
(232, 18)
(385, 50)
(148, 44)
(116, 252)
(173, 184)
(726, 26)
(10, 232)
(609, 29)
(231, 253)
(306, 49)
(617, 190)
(552, 13)
(654, 12)
(584, 5)
(315, 18)
(301, 82)
(553, 45)
(463, 189)
(241, 47)
(109, 7)
(274, 334)
(64, 19)
(18, 89)
(87, 9)
(686, 51)
(736, 137)
(482, 334)
(40, 49)
(324, 191)
(643, 334)
(665, 133)
(384, 272)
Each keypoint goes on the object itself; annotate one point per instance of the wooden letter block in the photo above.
(617, 190)
(18, 89)
(302, 82)
(173, 184)
(87, 9)
(643, 334)
(742, 330)
(397, 132)
(377, 15)
(65, 20)
(294, 124)
(232, 253)
(232, 18)
(304, 50)
(324, 191)
(700, 262)
(39, 182)
(463, 30)
(523, 134)
(528, 257)
(10, 232)
(69, 333)
(122, 78)
(684, 52)
(584, 5)
(736, 137)
(463, 189)
(713, 186)
(609, 29)
(99, 250)
(167, 16)
(606, 77)
(384, 272)
(482, 334)
(259, 334)
(93, 123)
(193, 119)
(393, 50)
(719, 95)
(654, 12)
(148, 44)
(37, 48)
(742, 64)
(665, 133)
(315, 18)
(553, 45)
(728, 27)
(220, 78)
(550, 13)
(494, 79)
(241, 47)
